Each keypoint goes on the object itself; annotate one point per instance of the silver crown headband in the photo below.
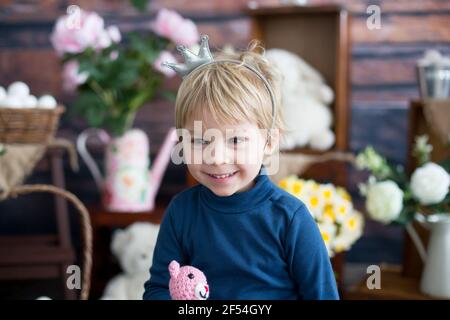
(204, 58)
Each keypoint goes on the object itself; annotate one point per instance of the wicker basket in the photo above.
(30, 125)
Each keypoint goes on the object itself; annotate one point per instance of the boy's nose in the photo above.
(218, 154)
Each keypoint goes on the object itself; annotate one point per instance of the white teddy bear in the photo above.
(133, 247)
(305, 99)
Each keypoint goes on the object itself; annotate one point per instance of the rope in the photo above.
(85, 224)
(20, 159)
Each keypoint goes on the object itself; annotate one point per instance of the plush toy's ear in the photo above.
(174, 269)
(119, 239)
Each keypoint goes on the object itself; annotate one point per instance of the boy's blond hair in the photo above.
(232, 93)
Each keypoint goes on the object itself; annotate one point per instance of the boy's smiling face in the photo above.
(225, 158)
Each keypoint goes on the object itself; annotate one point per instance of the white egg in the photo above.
(30, 102)
(47, 102)
(18, 89)
(2, 93)
(12, 102)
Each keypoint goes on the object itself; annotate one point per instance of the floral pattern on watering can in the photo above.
(127, 178)
(128, 185)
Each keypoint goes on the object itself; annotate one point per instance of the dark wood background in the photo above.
(383, 78)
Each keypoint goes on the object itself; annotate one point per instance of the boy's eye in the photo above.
(199, 141)
(238, 140)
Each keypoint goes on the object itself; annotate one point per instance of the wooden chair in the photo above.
(42, 256)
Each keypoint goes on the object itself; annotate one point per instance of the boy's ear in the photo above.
(273, 142)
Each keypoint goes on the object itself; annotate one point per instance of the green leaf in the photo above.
(2, 149)
(90, 106)
(139, 100)
(141, 5)
(446, 164)
(406, 215)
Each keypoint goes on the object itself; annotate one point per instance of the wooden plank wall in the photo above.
(383, 78)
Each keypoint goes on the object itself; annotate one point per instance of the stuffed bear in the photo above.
(187, 283)
(305, 99)
(133, 247)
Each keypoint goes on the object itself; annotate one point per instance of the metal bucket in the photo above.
(434, 81)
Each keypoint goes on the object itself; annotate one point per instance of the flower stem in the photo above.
(416, 240)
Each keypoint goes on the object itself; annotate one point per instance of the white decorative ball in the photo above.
(18, 89)
(12, 102)
(30, 102)
(47, 102)
(2, 93)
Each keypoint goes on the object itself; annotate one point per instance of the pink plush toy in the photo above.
(187, 283)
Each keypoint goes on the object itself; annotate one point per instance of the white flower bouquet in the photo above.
(392, 197)
(339, 223)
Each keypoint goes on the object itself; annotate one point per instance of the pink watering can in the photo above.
(128, 184)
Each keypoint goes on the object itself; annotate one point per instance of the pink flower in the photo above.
(189, 36)
(71, 76)
(76, 32)
(163, 57)
(113, 55)
(103, 40)
(171, 25)
(114, 34)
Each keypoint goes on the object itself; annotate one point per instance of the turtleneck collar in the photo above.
(240, 201)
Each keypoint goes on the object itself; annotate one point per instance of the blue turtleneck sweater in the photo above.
(258, 244)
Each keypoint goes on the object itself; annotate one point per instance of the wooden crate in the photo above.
(320, 35)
